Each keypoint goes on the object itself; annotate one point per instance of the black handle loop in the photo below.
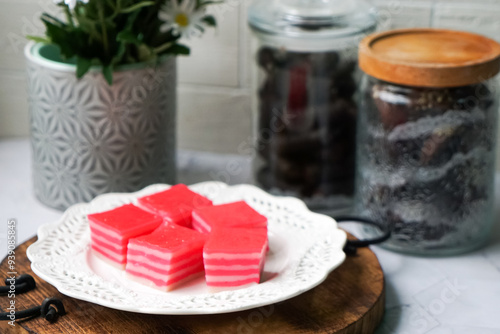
(49, 312)
(46, 310)
(16, 315)
(22, 284)
(352, 246)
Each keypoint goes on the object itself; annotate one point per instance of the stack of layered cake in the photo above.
(176, 235)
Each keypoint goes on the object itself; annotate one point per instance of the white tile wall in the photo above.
(214, 112)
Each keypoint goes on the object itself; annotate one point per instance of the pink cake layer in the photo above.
(166, 270)
(148, 282)
(167, 256)
(161, 258)
(111, 252)
(118, 262)
(163, 281)
(106, 259)
(234, 256)
(111, 230)
(124, 222)
(175, 205)
(237, 214)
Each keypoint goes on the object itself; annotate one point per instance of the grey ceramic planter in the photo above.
(89, 138)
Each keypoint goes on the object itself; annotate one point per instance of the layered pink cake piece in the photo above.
(237, 214)
(234, 257)
(111, 231)
(175, 204)
(177, 234)
(169, 256)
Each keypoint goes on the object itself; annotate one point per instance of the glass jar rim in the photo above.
(312, 19)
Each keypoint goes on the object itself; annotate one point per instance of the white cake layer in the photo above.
(200, 225)
(231, 278)
(163, 266)
(232, 267)
(117, 257)
(162, 254)
(215, 289)
(108, 261)
(161, 276)
(232, 256)
(118, 246)
(145, 281)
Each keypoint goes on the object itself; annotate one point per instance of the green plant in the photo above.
(115, 32)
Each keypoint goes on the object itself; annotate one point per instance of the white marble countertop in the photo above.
(424, 295)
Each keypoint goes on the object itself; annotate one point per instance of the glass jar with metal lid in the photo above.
(427, 133)
(304, 82)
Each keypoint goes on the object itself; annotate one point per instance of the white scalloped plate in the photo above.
(304, 248)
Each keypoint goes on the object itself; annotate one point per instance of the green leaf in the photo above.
(178, 49)
(82, 66)
(128, 36)
(107, 71)
(137, 6)
(144, 52)
(61, 37)
(206, 3)
(53, 20)
(119, 54)
(38, 39)
(163, 47)
(210, 21)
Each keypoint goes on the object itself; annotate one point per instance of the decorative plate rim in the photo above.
(59, 255)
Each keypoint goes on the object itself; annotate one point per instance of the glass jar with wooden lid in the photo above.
(427, 136)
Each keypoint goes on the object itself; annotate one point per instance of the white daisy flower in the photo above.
(71, 3)
(183, 17)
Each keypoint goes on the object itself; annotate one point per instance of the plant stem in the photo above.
(103, 28)
(162, 47)
(68, 16)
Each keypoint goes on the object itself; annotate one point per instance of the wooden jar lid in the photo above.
(429, 57)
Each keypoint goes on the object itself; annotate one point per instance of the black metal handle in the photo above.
(25, 283)
(49, 312)
(351, 246)
(46, 310)
(22, 284)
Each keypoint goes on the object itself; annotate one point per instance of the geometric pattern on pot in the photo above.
(89, 138)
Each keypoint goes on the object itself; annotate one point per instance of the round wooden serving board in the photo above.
(351, 300)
